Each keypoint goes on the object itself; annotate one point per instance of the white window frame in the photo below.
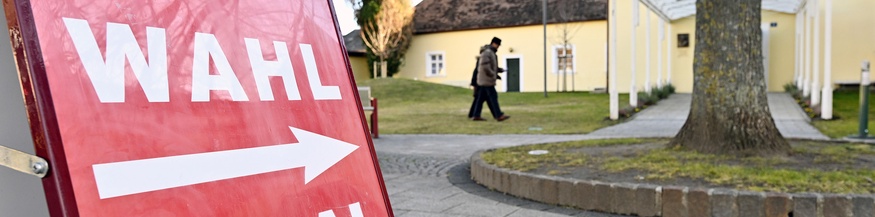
(428, 62)
(556, 58)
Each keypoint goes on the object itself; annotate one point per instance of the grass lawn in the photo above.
(845, 106)
(414, 107)
(757, 173)
(813, 166)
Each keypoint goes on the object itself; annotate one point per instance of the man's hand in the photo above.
(500, 70)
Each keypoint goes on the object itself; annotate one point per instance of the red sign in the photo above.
(195, 108)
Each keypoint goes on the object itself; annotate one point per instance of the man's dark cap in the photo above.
(496, 40)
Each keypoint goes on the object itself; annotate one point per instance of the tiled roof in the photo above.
(451, 15)
(354, 43)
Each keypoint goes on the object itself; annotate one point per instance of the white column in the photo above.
(826, 105)
(659, 53)
(633, 90)
(612, 78)
(806, 78)
(647, 55)
(815, 74)
(670, 48)
(797, 76)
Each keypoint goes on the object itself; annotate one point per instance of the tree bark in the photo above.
(383, 68)
(730, 112)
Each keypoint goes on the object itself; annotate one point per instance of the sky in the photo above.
(346, 16)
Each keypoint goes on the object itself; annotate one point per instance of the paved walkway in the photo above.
(426, 175)
(666, 119)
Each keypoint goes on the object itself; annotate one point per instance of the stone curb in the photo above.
(667, 201)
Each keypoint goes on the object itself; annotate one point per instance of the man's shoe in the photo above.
(478, 119)
(502, 118)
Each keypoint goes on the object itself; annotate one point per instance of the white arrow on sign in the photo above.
(315, 153)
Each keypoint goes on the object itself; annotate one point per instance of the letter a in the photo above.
(206, 45)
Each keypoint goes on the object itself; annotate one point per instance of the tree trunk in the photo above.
(730, 112)
(384, 68)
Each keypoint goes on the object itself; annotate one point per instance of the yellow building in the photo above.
(803, 43)
(356, 50)
(651, 43)
(449, 34)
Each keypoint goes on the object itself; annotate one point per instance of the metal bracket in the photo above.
(23, 162)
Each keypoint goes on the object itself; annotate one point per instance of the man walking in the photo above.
(477, 100)
(487, 74)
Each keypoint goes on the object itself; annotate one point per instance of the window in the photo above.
(435, 63)
(563, 59)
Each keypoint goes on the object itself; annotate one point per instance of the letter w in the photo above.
(108, 77)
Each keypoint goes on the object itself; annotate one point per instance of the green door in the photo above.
(513, 75)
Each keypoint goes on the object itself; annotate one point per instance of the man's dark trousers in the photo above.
(477, 105)
(490, 96)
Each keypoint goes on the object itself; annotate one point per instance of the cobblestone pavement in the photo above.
(427, 175)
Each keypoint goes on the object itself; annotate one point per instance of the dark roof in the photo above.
(355, 46)
(451, 15)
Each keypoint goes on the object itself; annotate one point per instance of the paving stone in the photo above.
(603, 197)
(864, 205)
(587, 197)
(698, 202)
(723, 203)
(751, 204)
(504, 180)
(497, 181)
(624, 198)
(546, 190)
(778, 205)
(470, 209)
(806, 205)
(674, 202)
(837, 206)
(648, 200)
(491, 178)
(478, 173)
(530, 186)
(426, 214)
(431, 192)
(469, 198)
(521, 185)
(533, 213)
(424, 206)
(567, 192)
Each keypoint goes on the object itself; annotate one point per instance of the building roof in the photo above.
(355, 46)
(452, 15)
(677, 9)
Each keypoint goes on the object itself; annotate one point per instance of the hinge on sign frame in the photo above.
(23, 162)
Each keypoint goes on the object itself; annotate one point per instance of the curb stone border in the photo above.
(666, 201)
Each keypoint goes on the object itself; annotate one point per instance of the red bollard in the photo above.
(374, 129)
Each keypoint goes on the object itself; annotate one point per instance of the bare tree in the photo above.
(565, 32)
(388, 30)
(730, 112)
